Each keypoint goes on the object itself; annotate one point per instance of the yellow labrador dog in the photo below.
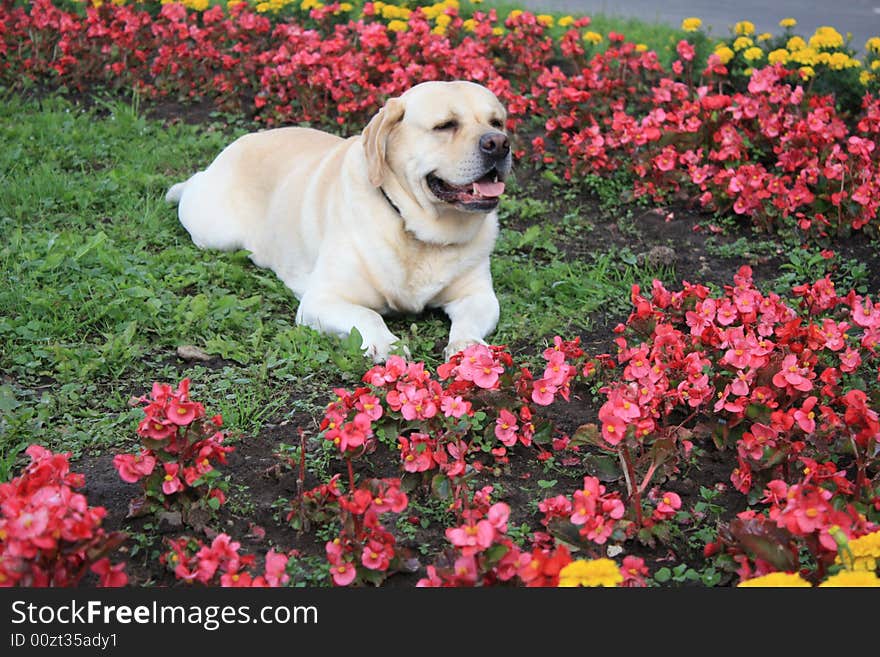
(399, 218)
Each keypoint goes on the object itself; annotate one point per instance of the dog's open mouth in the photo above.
(480, 195)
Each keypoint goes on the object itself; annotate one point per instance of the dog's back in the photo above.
(225, 206)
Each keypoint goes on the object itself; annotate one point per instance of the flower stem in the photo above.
(635, 493)
(860, 470)
(350, 476)
(300, 482)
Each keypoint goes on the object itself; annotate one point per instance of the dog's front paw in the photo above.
(459, 345)
(380, 351)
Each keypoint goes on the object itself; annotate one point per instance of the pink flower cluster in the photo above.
(364, 549)
(596, 513)
(406, 391)
(482, 551)
(484, 555)
(776, 377)
(49, 535)
(181, 446)
(220, 563)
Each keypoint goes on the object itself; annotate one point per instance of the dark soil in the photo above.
(260, 477)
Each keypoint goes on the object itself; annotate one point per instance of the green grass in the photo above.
(102, 285)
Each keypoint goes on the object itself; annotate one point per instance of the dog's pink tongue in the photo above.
(490, 189)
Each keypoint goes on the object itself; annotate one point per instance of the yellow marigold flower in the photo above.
(839, 61)
(390, 11)
(787, 22)
(748, 72)
(796, 43)
(497, 31)
(470, 24)
(852, 578)
(262, 7)
(438, 29)
(346, 6)
(565, 21)
(118, 3)
(753, 54)
(875, 64)
(444, 20)
(865, 551)
(545, 19)
(873, 45)
(514, 13)
(724, 53)
(826, 37)
(691, 24)
(744, 28)
(593, 37)
(764, 36)
(775, 580)
(807, 72)
(597, 572)
(642, 47)
(806, 56)
(865, 78)
(743, 42)
(233, 3)
(397, 26)
(779, 56)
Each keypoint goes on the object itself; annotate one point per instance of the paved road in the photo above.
(860, 17)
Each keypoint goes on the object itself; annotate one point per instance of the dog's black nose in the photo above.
(495, 144)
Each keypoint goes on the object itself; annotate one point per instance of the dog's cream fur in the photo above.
(310, 206)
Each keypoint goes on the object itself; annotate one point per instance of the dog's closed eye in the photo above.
(451, 124)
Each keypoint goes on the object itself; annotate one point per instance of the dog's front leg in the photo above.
(330, 314)
(473, 317)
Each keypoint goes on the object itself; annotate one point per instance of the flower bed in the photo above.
(741, 370)
(780, 130)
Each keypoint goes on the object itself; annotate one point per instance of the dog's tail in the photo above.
(176, 192)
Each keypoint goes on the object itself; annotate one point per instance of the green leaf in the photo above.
(495, 553)
(711, 577)
(588, 434)
(543, 483)
(547, 174)
(604, 468)
(663, 575)
(543, 433)
(409, 481)
(441, 487)
(7, 399)
(95, 241)
(532, 233)
(352, 343)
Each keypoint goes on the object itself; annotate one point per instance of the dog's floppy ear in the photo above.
(375, 137)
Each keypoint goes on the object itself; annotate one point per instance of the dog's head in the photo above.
(444, 144)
